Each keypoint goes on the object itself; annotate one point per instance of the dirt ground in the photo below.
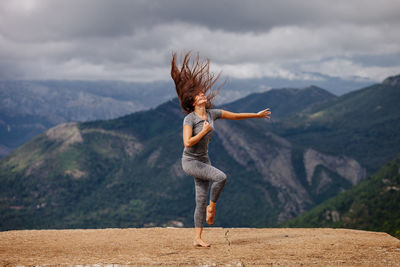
(173, 247)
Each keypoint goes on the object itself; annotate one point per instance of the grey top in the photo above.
(200, 149)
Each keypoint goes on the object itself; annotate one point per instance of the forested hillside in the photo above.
(126, 172)
(373, 204)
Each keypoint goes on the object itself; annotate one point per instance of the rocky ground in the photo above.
(173, 247)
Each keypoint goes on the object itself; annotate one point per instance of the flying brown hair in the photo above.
(191, 79)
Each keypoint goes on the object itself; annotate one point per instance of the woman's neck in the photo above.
(200, 111)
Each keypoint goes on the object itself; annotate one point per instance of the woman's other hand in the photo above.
(264, 113)
(206, 126)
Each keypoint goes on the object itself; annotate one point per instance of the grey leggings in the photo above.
(203, 174)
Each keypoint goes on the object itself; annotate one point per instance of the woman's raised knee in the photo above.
(221, 177)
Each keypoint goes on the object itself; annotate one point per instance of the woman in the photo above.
(192, 82)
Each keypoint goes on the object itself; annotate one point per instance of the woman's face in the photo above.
(200, 99)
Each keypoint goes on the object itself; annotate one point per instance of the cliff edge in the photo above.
(173, 246)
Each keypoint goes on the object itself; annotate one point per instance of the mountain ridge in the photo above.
(99, 173)
(368, 115)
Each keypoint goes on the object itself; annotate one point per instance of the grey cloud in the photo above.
(59, 19)
(124, 39)
(383, 60)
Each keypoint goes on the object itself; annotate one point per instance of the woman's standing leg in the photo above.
(203, 171)
(201, 187)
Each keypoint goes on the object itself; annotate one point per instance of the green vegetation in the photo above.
(363, 124)
(373, 204)
(126, 172)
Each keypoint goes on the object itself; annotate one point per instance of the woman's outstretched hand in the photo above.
(264, 113)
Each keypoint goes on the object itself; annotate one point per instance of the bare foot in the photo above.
(200, 243)
(210, 214)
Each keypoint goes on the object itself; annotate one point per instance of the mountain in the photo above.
(28, 108)
(363, 124)
(373, 204)
(282, 102)
(392, 80)
(127, 172)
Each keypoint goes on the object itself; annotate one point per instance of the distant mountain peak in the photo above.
(311, 87)
(392, 80)
(315, 89)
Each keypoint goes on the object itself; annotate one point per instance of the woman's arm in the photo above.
(240, 116)
(188, 139)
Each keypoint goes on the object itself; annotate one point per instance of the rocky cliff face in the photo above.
(272, 157)
(66, 134)
(346, 167)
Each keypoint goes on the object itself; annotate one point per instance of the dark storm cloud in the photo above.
(133, 40)
(75, 18)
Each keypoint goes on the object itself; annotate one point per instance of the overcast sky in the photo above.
(133, 40)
